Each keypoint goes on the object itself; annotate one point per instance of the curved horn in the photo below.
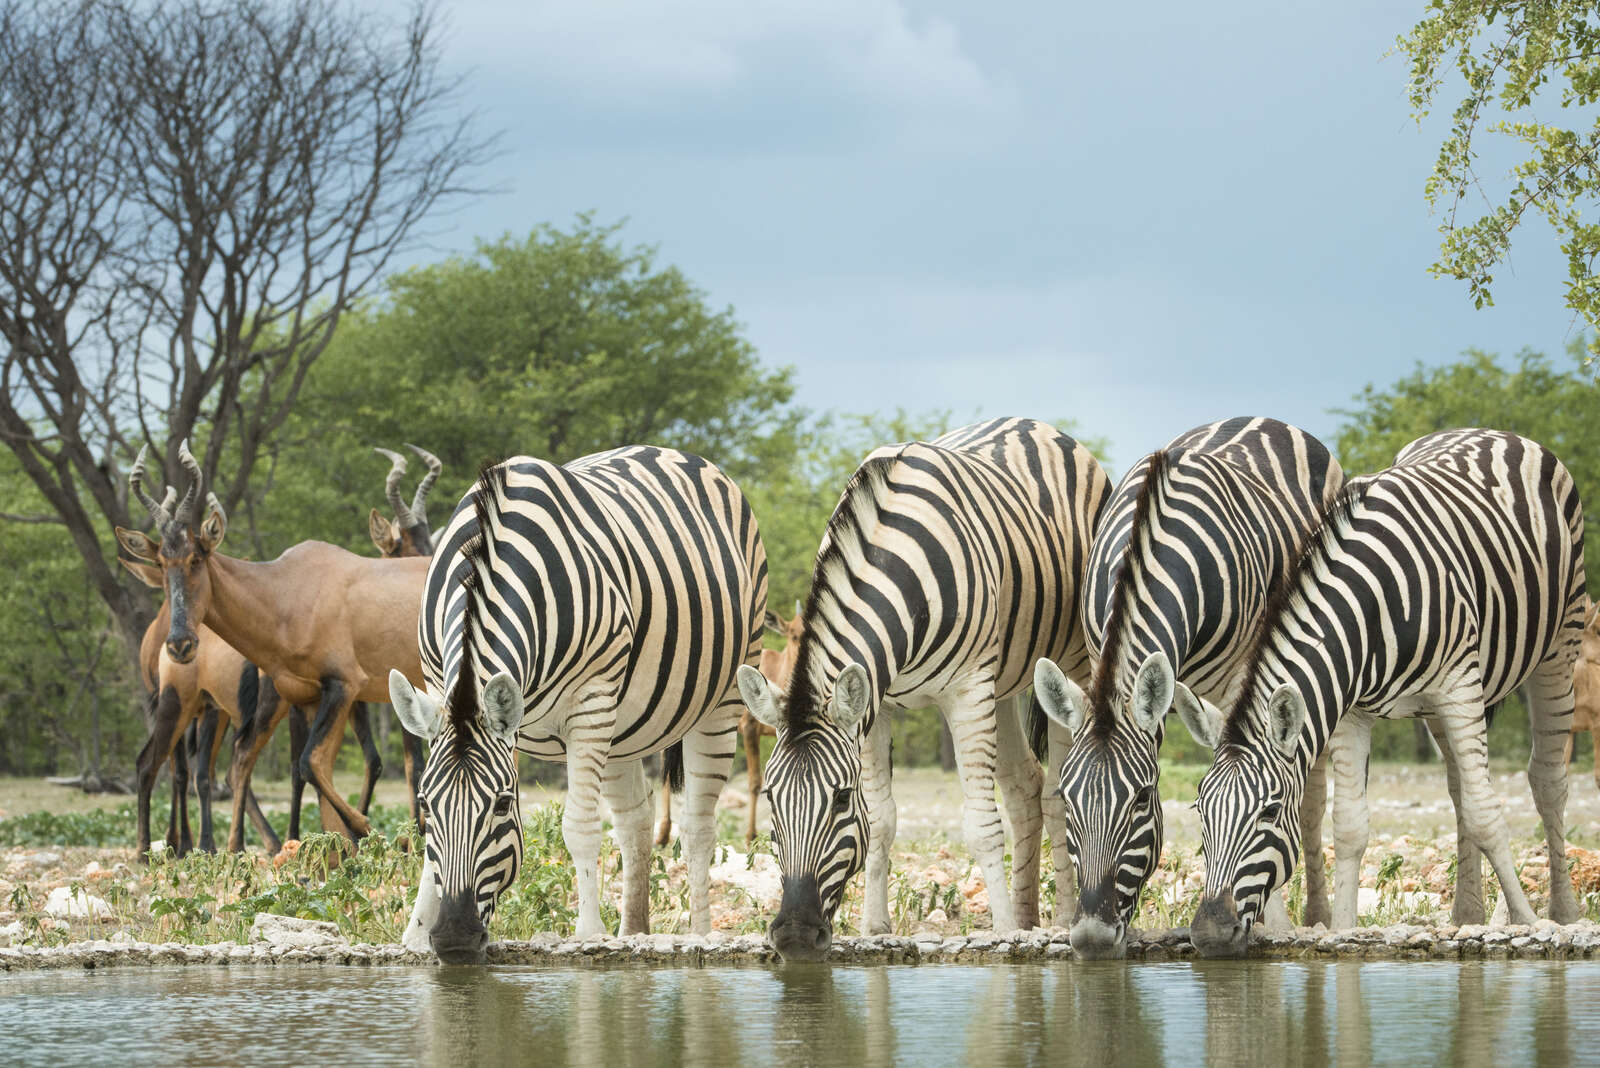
(191, 465)
(391, 485)
(419, 503)
(213, 504)
(160, 514)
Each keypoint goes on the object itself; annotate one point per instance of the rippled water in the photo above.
(1501, 1013)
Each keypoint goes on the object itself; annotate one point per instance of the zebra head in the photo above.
(819, 821)
(1249, 815)
(468, 797)
(1109, 788)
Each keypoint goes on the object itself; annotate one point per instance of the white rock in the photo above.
(68, 904)
(756, 874)
(11, 932)
(291, 932)
(92, 868)
(44, 860)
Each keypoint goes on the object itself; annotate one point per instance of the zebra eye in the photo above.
(841, 802)
(1269, 814)
(422, 807)
(502, 805)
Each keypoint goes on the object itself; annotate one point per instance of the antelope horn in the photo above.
(215, 505)
(161, 513)
(391, 485)
(191, 465)
(419, 503)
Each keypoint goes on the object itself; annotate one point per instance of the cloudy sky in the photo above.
(1141, 222)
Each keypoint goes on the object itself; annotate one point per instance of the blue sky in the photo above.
(1139, 221)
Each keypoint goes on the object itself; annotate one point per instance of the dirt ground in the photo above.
(934, 884)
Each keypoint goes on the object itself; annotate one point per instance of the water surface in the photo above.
(1221, 1012)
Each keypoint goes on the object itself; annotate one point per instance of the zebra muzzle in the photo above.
(1217, 930)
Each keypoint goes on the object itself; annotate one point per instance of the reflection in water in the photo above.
(1501, 1014)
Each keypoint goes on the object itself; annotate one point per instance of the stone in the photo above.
(69, 903)
(43, 861)
(292, 932)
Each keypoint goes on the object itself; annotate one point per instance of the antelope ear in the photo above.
(760, 696)
(214, 526)
(502, 707)
(382, 533)
(1153, 687)
(149, 574)
(848, 706)
(1060, 697)
(772, 622)
(138, 544)
(1286, 714)
(419, 713)
(1203, 718)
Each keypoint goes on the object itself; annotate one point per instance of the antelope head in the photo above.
(407, 534)
(177, 561)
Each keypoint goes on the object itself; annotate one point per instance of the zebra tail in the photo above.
(672, 767)
(249, 694)
(1038, 735)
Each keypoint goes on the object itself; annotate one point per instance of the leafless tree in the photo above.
(192, 192)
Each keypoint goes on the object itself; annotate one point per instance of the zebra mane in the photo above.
(1102, 690)
(1280, 595)
(479, 557)
(859, 499)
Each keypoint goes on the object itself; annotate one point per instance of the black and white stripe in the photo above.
(1433, 588)
(948, 568)
(592, 613)
(1194, 538)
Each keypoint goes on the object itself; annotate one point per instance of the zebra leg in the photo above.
(707, 761)
(1480, 807)
(1312, 808)
(970, 712)
(883, 817)
(627, 794)
(1020, 781)
(1549, 694)
(1055, 824)
(1348, 753)
(1467, 905)
(423, 914)
(588, 740)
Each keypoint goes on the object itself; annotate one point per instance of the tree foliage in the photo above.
(1514, 58)
(556, 345)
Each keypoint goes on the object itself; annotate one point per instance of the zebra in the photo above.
(1433, 588)
(593, 613)
(947, 568)
(1193, 539)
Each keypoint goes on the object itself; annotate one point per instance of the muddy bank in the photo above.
(1543, 941)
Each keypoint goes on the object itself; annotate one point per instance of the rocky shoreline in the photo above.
(282, 941)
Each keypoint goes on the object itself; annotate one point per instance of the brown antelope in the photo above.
(1586, 687)
(217, 677)
(776, 666)
(407, 536)
(325, 624)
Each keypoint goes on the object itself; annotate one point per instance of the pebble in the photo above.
(321, 944)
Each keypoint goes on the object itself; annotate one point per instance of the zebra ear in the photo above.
(1058, 695)
(1153, 688)
(1203, 718)
(1286, 714)
(760, 696)
(848, 706)
(419, 713)
(502, 707)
